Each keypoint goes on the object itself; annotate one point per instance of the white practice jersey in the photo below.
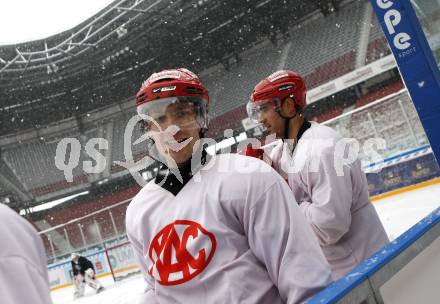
(23, 268)
(225, 237)
(333, 196)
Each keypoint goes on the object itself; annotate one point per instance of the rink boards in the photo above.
(405, 271)
(402, 170)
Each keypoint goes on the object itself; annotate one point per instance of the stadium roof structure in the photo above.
(103, 60)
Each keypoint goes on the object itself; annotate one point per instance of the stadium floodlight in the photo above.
(52, 68)
(121, 31)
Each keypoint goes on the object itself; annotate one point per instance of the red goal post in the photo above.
(122, 261)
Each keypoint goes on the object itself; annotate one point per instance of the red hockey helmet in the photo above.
(169, 87)
(275, 88)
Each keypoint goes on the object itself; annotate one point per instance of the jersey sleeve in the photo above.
(329, 212)
(275, 157)
(282, 240)
(24, 283)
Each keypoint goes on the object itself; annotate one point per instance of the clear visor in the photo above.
(182, 111)
(255, 110)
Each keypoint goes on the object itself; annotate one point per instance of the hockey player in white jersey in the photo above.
(331, 189)
(203, 232)
(23, 265)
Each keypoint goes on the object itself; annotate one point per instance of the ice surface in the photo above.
(127, 291)
(400, 212)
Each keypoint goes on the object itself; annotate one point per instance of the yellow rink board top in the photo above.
(406, 189)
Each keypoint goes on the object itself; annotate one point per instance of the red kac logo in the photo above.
(179, 259)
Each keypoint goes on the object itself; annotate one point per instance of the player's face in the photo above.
(271, 120)
(176, 131)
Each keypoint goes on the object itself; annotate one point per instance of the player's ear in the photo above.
(288, 107)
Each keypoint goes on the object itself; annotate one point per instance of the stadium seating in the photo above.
(231, 120)
(231, 89)
(328, 115)
(58, 216)
(377, 49)
(377, 46)
(34, 165)
(321, 49)
(385, 91)
(374, 122)
(331, 70)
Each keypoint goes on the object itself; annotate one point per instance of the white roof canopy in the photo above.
(28, 20)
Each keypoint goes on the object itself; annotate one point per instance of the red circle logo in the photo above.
(180, 252)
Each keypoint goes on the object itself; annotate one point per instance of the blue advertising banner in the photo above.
(415, 61)
(402, 174)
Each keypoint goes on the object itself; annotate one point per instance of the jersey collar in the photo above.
(168, 181)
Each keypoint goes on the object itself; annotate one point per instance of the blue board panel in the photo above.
(415, 61)
(402, 174)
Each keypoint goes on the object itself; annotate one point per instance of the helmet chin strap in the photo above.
(286, 121)
(286, 124)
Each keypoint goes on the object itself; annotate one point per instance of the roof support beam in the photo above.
(81, 44)
(70, 47)
(46, 51)
(66, 52)
(131, 9)
(27, 63)
(24, 60)
(9, 63)
(88, 33)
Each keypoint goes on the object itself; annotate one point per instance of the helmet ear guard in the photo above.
(298, 109)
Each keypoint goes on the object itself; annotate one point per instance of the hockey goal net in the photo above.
(122, 261)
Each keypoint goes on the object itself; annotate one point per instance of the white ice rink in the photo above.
(127, 291)
(398, 213)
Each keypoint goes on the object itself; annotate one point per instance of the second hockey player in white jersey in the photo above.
(205, 232)
(331, 190)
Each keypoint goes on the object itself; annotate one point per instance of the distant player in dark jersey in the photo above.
(83, 273)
